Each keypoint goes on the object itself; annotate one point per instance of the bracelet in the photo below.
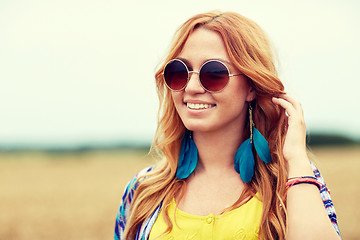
(304, 179)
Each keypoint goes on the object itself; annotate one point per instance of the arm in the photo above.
(307, 217)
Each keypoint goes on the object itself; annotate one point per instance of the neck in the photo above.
(217, 150)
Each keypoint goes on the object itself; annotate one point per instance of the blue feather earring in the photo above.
(188, 157)
(244, 158)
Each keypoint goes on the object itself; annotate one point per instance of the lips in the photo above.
(199, 106)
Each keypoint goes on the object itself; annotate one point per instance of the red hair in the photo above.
(250, 52)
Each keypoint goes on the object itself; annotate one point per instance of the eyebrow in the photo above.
(222, 60)
(187, 62)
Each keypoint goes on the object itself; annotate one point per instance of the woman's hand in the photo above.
(294, 149)
(304, 204)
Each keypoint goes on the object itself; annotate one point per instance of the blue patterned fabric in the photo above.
(144, 230)
(124, 209)
(325, 196)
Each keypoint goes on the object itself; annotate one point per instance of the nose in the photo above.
(194, 85)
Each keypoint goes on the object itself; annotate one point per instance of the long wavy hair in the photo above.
(250, 52)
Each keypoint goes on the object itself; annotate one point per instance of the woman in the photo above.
(234, 162)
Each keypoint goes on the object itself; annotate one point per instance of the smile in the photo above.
(199, 105)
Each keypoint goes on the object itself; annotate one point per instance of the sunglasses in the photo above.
(214, 75)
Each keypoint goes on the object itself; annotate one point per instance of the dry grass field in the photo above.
(75, 196)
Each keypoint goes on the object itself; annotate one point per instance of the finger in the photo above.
(297, 105)
(289, 108)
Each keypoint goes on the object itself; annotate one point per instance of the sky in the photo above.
(82, 71)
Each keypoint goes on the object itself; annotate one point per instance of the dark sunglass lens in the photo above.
(214, 76)
(175, 75)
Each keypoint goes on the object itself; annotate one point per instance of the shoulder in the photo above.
(134, 183)
(124, 209)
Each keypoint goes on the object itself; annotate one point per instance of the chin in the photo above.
(198, 127)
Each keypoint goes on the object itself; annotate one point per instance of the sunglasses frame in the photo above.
(189, 73)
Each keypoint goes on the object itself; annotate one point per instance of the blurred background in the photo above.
(78, 102)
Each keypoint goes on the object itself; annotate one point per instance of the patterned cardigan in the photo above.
(143, 231)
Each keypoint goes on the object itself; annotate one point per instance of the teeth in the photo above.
(199, 106)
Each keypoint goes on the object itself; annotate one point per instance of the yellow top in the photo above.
(238, 224)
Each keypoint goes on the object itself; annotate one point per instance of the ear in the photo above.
(251, 94)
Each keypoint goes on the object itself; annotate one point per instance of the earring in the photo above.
(188, 157)
(244, 158)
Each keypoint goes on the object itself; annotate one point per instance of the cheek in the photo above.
(177, 99)
(236, 94)
(242, 91)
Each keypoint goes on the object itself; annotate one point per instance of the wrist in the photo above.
(300, 167)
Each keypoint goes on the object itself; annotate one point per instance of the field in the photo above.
(76, 196)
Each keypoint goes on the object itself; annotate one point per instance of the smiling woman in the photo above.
(232, 146)
(200, 50)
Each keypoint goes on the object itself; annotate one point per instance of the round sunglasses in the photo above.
(214, 75)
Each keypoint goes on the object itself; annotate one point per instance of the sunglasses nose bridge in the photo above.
(191, 73)
(194, 85)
